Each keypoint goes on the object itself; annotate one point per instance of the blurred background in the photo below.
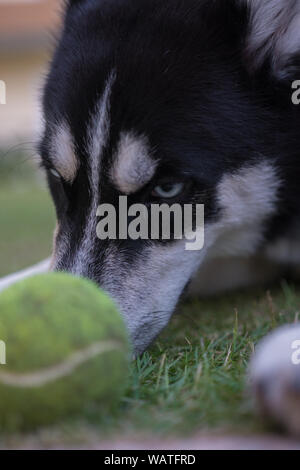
(27, 35)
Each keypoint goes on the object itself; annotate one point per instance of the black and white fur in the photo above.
(144, 93)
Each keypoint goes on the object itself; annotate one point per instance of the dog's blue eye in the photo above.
(55, 173)
(168, 190)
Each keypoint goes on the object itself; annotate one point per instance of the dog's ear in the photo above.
(274, 36)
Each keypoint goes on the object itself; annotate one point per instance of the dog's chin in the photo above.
(144, 337)
(143, 326)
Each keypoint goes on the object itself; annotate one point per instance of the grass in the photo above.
(26, 215)
(193, 377)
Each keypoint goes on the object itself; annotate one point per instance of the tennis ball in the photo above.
(67, 351)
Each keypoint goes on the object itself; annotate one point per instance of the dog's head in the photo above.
(166, 101)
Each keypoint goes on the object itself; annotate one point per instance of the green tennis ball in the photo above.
(67, 351)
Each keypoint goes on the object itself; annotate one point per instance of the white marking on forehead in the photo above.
(97, 137)
(98, 131)
(133, 166)
(62, 151)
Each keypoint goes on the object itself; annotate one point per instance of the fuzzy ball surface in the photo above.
(65, 348)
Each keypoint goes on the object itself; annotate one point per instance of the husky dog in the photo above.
(175, 101)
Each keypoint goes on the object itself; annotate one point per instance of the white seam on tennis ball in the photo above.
(43, 377)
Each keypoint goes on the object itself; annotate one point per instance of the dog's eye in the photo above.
(168, 190)
(55, 173)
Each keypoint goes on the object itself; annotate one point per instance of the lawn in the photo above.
(193, 377)
(26, 214)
